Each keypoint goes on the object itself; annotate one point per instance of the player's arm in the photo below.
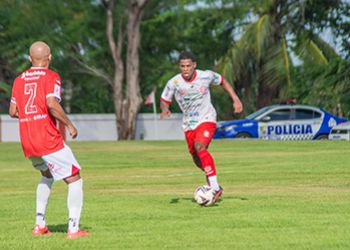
(13, 112)
(166, 98)
(57, 111)
(237, 104)
(165, 112)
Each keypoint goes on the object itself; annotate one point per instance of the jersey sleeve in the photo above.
(216, 79)
(13, 98)
(14, 93)
(54, 87)
(168, 92)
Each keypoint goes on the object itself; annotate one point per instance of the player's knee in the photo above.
(46, 174)
(198, 146)
(72, 178)
(197, 161)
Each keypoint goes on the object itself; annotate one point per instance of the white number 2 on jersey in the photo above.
(30, 89)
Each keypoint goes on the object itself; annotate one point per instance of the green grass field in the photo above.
(138, 195)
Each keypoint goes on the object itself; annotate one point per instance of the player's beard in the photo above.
(188, 76)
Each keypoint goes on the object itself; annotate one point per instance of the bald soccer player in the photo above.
(35, 102)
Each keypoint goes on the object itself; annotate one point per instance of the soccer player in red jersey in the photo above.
(191, 91)
(35, 102)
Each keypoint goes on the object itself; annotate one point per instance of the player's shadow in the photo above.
(177, 199)
(62, 228)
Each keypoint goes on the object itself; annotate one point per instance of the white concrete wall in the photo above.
(94, 127)
(102, 127)
(149, 127)
(9, 130)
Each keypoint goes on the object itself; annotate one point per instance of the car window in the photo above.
(279, 115)
(301, 114)
(258, 112)
(317, 114)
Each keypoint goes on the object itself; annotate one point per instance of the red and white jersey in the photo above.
(38, 132)
(193, 97)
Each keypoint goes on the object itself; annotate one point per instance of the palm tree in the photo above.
(261, 61)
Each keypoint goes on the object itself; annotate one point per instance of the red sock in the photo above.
(207, 162)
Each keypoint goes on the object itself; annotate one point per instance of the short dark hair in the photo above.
(186, 55)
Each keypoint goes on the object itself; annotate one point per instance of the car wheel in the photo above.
(322, 137)
(243, 135)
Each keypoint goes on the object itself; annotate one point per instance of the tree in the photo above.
(260, 62)
(69, 27)
(260, 38)
(6, 76)
(83, 46)
(126, 105)
(175, 27)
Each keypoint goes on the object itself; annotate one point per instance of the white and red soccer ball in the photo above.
(204, 195)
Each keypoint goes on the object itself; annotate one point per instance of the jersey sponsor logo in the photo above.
(206, 78)
(34, 78)
(34, 118)
(183, 92)
(203, 90)
(193, 114)
(40, 117)
(25, 119)
(175, 82)
(192, 123)
(290, 129)
(33, 73)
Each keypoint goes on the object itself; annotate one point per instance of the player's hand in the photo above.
(73, 131)
(165, 114)
(237, 106)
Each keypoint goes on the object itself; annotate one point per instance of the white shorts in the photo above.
(62, 164)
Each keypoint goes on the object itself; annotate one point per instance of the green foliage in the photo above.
(261, 61)
(252, 43)
(326, 86)
(5, 93)
(5, 88)
(173, 30)
(70, 30)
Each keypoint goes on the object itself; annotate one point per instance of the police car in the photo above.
(281, 122)
(340, 132)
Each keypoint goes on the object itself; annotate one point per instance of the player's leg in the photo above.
(203, 137)
(190, 143)
(208, 162)
(75, 205)
(43, 192)
(197, 161)
(64, 166)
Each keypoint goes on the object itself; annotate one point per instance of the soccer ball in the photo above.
(204, 195)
